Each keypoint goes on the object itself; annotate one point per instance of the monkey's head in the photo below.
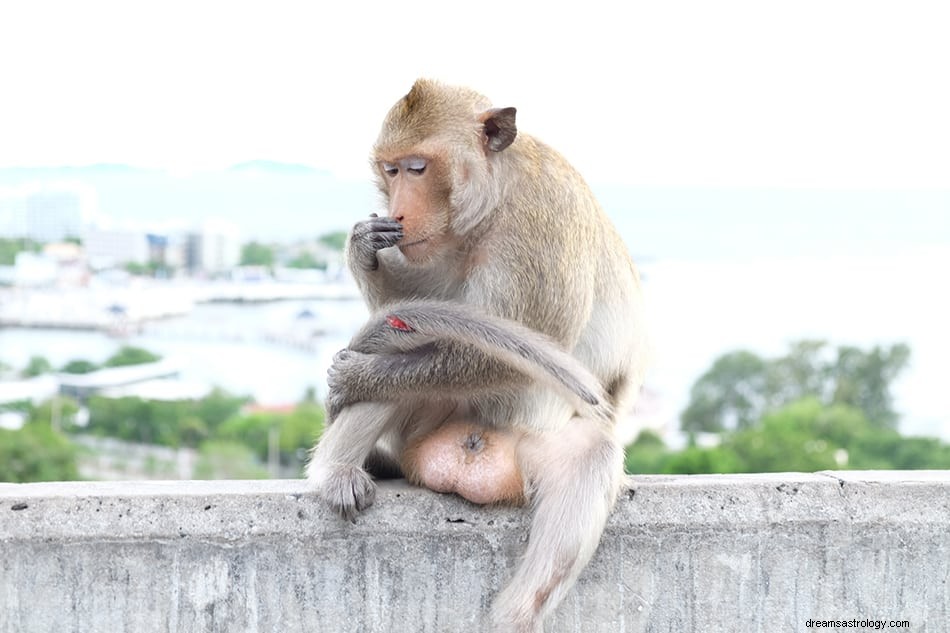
(436, 163)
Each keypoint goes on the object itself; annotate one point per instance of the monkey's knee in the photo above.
(469, 460)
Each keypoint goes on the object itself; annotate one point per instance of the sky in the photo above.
(807, 94)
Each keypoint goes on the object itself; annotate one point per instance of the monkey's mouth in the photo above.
(422, 241)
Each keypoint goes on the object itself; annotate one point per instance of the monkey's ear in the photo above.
(500, 128)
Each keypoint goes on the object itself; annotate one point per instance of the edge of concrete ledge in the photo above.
(235, 510)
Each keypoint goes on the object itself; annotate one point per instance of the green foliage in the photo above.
(173, 424)
(63, 408)
(148, 269)
(296, 432)
(37, 366)
(128, 355)
(741, 387)
(805, 435)
(732, 394)
(257, 254)
(9, 247)
(306, 260)
(36, 453)
(79, 366)
(335, 240)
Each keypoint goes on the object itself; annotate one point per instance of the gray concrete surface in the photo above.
(754, 553)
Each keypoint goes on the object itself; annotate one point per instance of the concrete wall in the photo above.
(757, 553)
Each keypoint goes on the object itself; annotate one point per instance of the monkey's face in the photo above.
(417, 199)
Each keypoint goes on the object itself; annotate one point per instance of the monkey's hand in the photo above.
(370, 236)
(345, 374)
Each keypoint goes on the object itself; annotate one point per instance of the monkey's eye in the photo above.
(390, 169)
(416, 166)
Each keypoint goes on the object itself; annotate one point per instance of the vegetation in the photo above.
(37, 366)
(36, 453)
(741, 387)
(306, 259)
(257, 254)
(813, 409)
(335, 240)
(9, 247)
(175, 424)
(128, 355)
(79, 366)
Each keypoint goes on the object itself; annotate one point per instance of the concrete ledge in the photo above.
(751, 553)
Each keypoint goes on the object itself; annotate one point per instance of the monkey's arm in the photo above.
(430, 371)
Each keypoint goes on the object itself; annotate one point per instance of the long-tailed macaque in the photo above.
(507, 336)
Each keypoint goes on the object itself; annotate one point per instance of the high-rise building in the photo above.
(53, 215)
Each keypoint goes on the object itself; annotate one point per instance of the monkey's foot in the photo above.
(347, 489)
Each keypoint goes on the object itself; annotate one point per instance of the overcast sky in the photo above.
(851, 94)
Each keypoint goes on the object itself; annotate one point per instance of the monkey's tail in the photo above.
(530, 352)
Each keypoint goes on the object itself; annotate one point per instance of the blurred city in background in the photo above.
(162, 326)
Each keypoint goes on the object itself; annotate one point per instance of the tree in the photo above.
(37, 366)
(79, 366)
(732, 394)
(306, 260)
(740, 387)
(128, 355)
(862, 379)
(9, 248)
(805, 435)
(335, 240)
(36, 453)
(257, 254)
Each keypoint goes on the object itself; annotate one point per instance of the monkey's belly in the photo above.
(471, 461)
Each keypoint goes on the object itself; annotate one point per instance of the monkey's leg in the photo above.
(576, 475)
(336, 464)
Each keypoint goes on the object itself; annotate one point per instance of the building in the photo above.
(54, 215)
(213, 249)
(106, 248)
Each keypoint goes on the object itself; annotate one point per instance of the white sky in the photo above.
(808, 93)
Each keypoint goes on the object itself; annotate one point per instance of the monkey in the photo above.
(490, 220)
(477, 463)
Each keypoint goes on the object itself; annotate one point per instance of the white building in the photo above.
(106, 248)
(46, 212)
(53, 215)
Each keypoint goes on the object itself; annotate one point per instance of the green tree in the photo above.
(647, 454)
(79, 366)
(862, 379)
(806, 435)
(36, 453)
(179, 423)
(257, 254)
(335, 240)
(741, 387)
(128, 355)
(37, 366)
(306, 260)
(9, 248)
(732, 394)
